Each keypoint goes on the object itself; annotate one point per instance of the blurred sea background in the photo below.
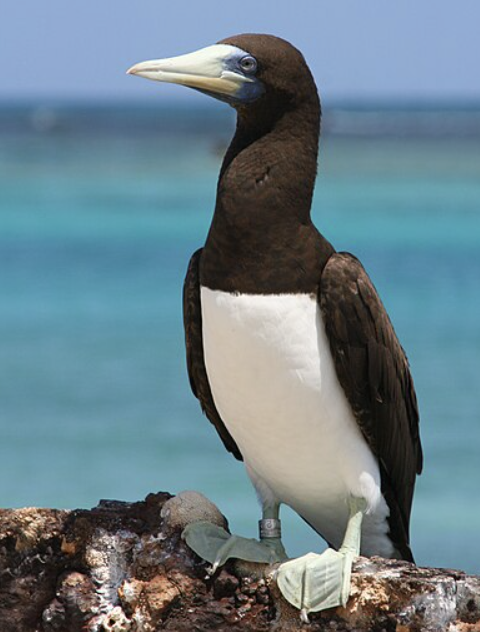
(100, 209)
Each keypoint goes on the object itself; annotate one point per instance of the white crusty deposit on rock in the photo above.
(107, 557)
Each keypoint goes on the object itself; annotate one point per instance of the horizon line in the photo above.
(345, 102)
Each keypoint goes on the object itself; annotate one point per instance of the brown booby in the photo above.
(289, 348)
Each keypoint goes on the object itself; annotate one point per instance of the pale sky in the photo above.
(367, 49)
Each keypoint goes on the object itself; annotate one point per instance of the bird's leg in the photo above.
(317, 582)
(216, 545)
(270, 531)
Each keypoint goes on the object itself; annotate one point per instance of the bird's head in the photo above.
(244, 70)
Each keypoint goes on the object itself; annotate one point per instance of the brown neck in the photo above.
(272, 154)
(261, 237)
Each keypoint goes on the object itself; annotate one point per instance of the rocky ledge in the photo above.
(123, 567)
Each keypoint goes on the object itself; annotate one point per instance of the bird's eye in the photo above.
(248, 64)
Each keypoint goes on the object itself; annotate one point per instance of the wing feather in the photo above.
(197, 372)
(374, 373)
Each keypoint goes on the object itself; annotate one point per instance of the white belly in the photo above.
(275, 387)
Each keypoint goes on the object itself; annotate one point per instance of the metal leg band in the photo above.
(270, 528)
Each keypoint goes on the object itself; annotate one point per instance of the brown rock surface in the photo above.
(123, 567)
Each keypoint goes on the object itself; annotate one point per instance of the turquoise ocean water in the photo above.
(100, 209)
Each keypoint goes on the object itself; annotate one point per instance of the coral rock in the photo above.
(123, 567)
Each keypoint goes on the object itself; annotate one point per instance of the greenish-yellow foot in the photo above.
(216, 545)
(317, 582)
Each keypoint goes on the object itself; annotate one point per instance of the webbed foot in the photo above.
(216, 545)
(317, 582)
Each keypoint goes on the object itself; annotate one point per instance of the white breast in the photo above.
(275, 387)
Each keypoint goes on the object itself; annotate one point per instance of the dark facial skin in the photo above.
(285, 75)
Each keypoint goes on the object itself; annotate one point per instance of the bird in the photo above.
(290, 350)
